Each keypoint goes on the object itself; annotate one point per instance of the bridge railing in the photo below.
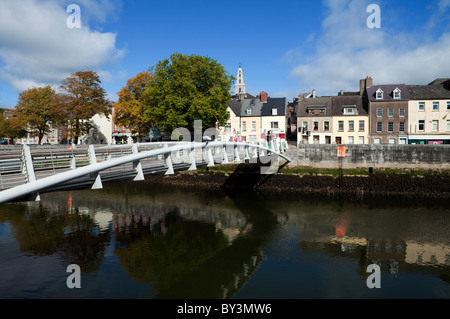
(37, 169)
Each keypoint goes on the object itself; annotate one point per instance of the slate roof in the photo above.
(254, 104)
(235, 106)
(258, 108)
(428, 92)
(440, 81)
(339, 102)
(318, 102)
(279, 103)
(388, 92)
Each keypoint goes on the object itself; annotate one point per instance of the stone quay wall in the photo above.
(384, 156)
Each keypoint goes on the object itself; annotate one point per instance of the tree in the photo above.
(185, 89)
(11, 127)
(37, 107)
(83, 97)
(129, 109)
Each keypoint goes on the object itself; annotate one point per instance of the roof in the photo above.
(428, 92)
(317, 102)
(235, 106)
(439, 81)
(341, 101)
(279, 103)
(254, 104)
(388, 90)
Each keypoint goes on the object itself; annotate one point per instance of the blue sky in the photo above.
(285, 47)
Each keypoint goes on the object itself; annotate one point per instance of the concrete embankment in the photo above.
(372, 185)
(376, 156)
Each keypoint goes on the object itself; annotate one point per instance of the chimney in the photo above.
(341, 92)
(314, 93)
(365, 84)
(263, 96)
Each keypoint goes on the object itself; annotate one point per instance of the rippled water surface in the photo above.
(134, 241)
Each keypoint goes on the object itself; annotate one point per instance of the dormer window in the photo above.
(350, 110)
(397, 94)
(248, 111)
(274, 111)
(379, 94)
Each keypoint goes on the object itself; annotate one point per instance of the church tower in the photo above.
(239, 86)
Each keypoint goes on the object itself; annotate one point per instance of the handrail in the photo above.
(34, 187)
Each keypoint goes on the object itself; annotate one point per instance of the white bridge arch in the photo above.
(175, 156)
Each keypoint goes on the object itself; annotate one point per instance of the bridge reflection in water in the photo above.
(180, 244)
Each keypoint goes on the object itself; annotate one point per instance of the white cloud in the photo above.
(347, 50)
(37, 48)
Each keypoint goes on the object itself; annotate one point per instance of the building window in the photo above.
(421, 125)
(316, 139)
(397, 94)
(377, 141)
(362, 125)
(435, 106)
(228, 127)
(273, 124)
(253, 126)
(351, 125)
(390, 127)
(248, 111)
(421, 106)
(326, 126)
(341, 126)
(379, 126)
(274, 111)
(448, 106)
(401, 126)
(351, 140)
(392, 141)
(379, 94)
(435, 125)
(390, 112)
(244, 126)
(252, 138)
(361, 140)
(305, 126)
(350, 110)
(379, 112)
(448, 125)
(401, 112)
(316, 126)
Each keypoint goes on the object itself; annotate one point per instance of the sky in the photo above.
(285, 47)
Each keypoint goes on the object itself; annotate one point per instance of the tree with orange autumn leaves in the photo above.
(129, 109)
(82, 98)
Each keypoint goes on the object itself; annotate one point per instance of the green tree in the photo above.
(188, 88)
(83, 98)
(129, 109)
(37, 107)
(11, 127)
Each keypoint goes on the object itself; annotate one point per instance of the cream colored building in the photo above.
(429, 113)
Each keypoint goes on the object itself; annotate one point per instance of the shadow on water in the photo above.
(222, 275)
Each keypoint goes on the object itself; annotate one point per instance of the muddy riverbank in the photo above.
(403, 186)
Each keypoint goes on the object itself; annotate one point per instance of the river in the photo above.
(133, 240)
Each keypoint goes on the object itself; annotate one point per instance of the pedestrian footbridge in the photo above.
(27, 171)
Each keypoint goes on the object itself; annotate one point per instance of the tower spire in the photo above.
(239, 86)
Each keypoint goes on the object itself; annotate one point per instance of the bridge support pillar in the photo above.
(28, 170)
(168, 160)
(137, 166)
(93, 160)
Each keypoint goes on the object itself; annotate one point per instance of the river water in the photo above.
(132, 240)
